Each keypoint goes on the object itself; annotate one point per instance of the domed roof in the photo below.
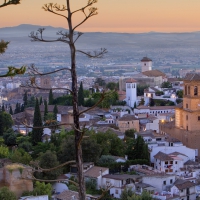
(145, 59)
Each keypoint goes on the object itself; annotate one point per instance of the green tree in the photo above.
(55, 112)
(37, 125)
(100, 82)
(20, 156)
(45, 110)
(137, 149)
(86, 93)
(42, 189)
(166, 84)
(126, 194)
(31, 102)
(3, 108)
(144, 196)
(17, 108)
(151, 102)
(106, 159)
(22, 108)
(110, 143)
(49, 160)
(142, 101)
(41, 101)
(179, 93)
(27, 146)
(140, 89)
(25, 99)
(6, 194)
(4, 152)
(51, 97)
(6, 122)
(9, 137)
(91, 150)
(130, 133)
(10, 111)
(111, 86)
(80, 95)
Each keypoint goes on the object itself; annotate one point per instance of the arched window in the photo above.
(186, 90)
(195, 90)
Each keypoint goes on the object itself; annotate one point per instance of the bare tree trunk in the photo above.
(78, 134)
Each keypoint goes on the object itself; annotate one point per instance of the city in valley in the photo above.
(99, 115)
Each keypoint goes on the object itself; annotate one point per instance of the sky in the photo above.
(131, 16)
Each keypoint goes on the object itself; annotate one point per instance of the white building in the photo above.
(184, 189)
(119, 182)
(155, 110)
(162, 182)
(146, 64)
(169, 163)
(131, 92)
(42, 197)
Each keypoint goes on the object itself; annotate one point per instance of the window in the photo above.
(187, 117)
(116, 191)
(198, 118)
(195, 90)
(171, 162)
(186, 90)
(186, 105)
(164, 182)
(187, 128)
(171, 181)
(166, 162)
(176, 162)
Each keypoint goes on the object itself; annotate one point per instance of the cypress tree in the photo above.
(55, 112)
(40, 100)
(37, 122)
(3, 108)
(25, 99)
(50, 97)
(45, 110)
(22, 108)
(80, 95)
(10, 110)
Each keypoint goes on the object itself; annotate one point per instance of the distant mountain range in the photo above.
(122, 47)
(150, 39)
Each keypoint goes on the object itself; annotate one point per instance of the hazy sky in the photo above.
(114, 15)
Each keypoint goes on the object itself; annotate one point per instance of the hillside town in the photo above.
(142, 138)
(118, 123)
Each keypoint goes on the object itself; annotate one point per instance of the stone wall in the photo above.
(190, 139)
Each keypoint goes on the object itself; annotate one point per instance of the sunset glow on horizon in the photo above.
(131, 16)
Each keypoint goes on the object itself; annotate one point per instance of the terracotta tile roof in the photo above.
(153, 73)
(191, 162)
(121, 176)
(94, 171)
(131, 80)
(70, 195)
(127, 118)
(145, 59)
(192, 77)
(162, 156)
(183, 184)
